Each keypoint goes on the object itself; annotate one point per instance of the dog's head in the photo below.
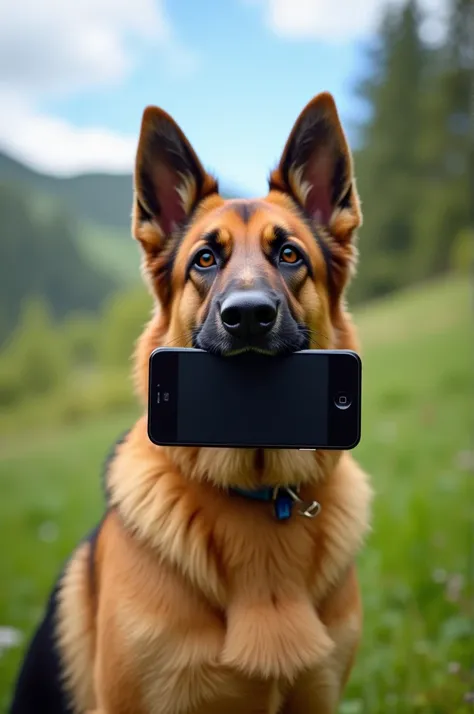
(236, 275)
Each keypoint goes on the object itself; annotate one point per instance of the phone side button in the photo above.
(306, 449)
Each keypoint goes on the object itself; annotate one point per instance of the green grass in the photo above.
(417, 444)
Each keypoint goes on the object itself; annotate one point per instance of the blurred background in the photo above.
(74, 80)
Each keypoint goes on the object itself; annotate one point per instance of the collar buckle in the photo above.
(308, 509)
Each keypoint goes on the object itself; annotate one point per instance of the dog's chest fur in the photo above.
(206, 601)
(194, 656)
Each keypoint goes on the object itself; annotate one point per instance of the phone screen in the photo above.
(250, 400)
(255, 399)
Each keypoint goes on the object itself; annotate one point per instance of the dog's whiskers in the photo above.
(316, 333)
(180, 341)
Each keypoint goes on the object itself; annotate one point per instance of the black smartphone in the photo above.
(306, 400)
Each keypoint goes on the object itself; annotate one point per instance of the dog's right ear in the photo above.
(169, 181)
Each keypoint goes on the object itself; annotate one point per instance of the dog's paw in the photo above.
(275, 639)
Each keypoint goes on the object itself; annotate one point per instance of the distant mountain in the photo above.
(41, 258)
(99, 205)
(101, 199)
(96, 198)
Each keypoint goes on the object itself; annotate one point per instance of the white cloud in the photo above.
(62, 45)
(55, 146)
(55, 48)
(336, 20)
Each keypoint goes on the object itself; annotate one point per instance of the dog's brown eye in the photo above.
(205, 259)
(289, 255)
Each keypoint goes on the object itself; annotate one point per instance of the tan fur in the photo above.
(204, 603)
(76, 630)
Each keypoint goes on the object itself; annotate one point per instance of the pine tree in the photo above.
(415, 166)
(387, 165)
(447, 146)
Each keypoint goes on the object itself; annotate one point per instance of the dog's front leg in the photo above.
(320, 689)
(315, 692)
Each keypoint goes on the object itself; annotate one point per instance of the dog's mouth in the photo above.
(272, 346)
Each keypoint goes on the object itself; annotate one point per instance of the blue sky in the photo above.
(233, 73)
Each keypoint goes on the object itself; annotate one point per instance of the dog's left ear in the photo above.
(316, 169)
(169, 180)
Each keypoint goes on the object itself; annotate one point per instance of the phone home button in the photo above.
(342, 400)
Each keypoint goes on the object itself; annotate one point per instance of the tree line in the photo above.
(415, 159)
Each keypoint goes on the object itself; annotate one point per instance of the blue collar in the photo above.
(283, 499)
(265, 493)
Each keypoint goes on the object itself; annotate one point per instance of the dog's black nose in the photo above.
(248, 313)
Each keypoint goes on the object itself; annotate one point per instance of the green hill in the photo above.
(102, 199)
(98, 204)
(42, 258)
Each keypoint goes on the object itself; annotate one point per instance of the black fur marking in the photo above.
(345, 201)
(281, 236)
(212, 239)
(143, 214)
(339, 179)
(244, 209)
(39, 685)
(150, 206)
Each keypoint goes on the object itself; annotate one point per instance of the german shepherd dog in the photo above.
(189, 597)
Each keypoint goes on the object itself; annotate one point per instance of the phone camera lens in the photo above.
(342, 400)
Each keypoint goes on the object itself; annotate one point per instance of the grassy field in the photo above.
(416, 571)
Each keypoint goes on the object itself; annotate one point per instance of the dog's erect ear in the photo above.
(316, 166)
(169, 179)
